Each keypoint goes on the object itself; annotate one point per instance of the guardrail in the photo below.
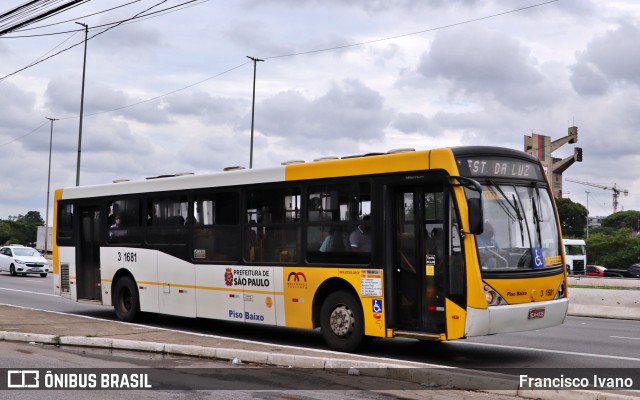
(617, 298)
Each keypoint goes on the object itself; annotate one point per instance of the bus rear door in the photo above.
(88, 255)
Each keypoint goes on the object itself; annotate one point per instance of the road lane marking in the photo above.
(572, 353)
(625, 337)
(26, 291)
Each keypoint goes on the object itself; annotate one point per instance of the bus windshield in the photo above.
(520, 231)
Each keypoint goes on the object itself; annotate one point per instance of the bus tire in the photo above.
(126, 300)
(342, 322)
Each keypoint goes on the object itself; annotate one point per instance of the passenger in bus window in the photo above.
(335, 242)
(116, 222)
(115, 230)
(113, 211)
(360, 238)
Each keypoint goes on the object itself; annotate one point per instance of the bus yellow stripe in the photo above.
(413, 161)
(219, 289)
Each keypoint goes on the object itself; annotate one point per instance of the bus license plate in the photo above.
(536, 313)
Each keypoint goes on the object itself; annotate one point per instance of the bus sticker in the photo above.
(538, 257)
(371, 283)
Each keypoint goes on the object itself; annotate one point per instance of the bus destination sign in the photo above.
(502, 167)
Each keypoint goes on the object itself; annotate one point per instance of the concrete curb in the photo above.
(612, 297)
(435, 376)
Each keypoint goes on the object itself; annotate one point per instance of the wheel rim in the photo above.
(342, 321)
(125, 300)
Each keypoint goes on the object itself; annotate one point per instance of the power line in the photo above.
(287, 55)
(24, 136)
(162, 95)
(155, 14)
(16, 17)
(74, 19)
(77, 44)
(133, 104)
(316, 51)
(410, 34)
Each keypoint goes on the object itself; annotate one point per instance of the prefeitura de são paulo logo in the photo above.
(228, 277)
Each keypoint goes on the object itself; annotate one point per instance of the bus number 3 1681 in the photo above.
(128, 256)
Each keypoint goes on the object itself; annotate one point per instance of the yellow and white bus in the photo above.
(374, 246)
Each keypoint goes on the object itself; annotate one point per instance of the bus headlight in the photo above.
(492, 297)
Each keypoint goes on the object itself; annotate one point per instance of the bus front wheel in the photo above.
(342, 322)
(126, 301)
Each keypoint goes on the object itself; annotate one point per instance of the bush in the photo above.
(617, 249)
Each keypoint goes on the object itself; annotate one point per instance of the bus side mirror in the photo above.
(476, 217)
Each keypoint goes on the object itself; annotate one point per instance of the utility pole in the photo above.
(84, 68)
(253, 107)
(46, 218)
(587, 192)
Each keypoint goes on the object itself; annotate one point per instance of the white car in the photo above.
(23, 260)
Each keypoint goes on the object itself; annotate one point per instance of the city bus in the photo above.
(375, 246)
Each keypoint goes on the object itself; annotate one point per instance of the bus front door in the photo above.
(88, 255)
(420, 267)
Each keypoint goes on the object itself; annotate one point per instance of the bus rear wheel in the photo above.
(126, 300)
(342, 322)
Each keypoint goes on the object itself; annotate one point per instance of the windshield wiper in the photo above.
(517, 208)
(508, 212)
(537, 220)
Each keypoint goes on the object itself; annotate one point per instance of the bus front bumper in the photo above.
(515, 317)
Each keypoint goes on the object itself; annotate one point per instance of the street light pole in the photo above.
(84, 67)
(46, 223)
(587, 213)
(253, 107)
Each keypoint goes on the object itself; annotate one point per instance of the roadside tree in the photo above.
(573, 218)
(618, 249)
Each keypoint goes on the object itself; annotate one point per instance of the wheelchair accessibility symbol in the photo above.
(538, 258)
(377, 305)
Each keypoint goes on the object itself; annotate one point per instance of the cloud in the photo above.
(411, 123)
(586, 79)
(612, 58)
(349, 111)
(16, 109)
(216, 110)
(486, 64)
(62, 97)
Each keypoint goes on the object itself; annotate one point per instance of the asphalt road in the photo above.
(579, 343)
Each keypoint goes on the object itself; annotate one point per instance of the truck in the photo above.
(575, 251)
(40, 242)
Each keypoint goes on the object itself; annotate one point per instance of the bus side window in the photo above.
(167, 220)
(272, 230)
(335, 213)
(65, 225)
(124, 221)
(216, 227)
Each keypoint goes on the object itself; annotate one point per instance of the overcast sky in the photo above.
(173, 93)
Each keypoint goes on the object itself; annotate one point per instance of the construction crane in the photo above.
(615, 188)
